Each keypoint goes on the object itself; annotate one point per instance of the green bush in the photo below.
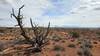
(57, 54)
(98, 33)
(58, 48)
(74, 34)
(56, 38)
(71, 45)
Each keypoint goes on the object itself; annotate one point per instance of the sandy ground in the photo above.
(10, 47)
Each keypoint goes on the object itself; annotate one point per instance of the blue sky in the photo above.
(61, 13)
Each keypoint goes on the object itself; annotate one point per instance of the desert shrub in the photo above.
(90, 46)
(57, 54)
(86, 52)
(98, 33)
(58, 48)
(56, 38)
(63, 41)
(86, 43)
(95, 42)
(72, 45)
(2, 31)
(85, 48)
(79, 42)
(37, 54)
(74, 34)
(79, 53)
(1, 47)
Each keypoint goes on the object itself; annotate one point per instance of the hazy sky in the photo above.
(62, 13)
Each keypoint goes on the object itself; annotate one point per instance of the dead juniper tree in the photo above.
(40, 34)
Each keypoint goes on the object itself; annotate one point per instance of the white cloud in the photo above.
(83, 15)
(10, 1)
(33, 8)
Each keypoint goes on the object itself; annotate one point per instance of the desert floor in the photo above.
(59, 44)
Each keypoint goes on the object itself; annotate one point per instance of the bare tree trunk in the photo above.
(40, 37)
